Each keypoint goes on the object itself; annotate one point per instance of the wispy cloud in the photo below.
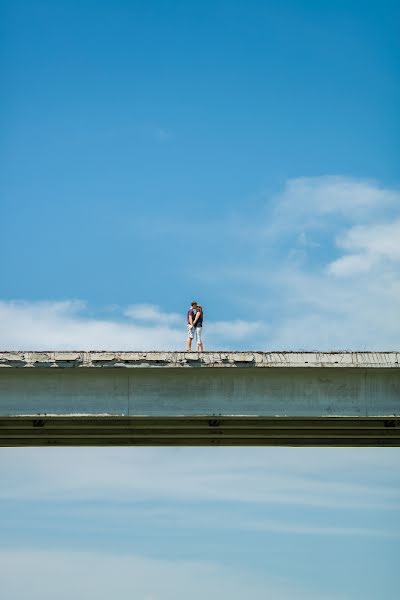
(317, 268)
(67, 325)
(102, 575)
(262, 476)
(306, 200)
(151, 313)
(367, 247)
(309, 529)
(320, 267)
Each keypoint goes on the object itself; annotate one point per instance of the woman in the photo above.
(198, 327)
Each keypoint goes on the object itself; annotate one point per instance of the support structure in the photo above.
(212, 398)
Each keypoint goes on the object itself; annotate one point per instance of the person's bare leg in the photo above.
(199, 341)
(189, 344)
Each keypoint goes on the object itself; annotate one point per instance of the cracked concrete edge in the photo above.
(99, 359)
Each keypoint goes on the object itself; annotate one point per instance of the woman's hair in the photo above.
(200, 308)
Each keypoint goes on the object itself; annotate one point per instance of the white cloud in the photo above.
(318, 270)
(351, 264)
(325, 272)
(67, 326)
(339, 478)
(330, 313)
(237, 330)
(307, 529)
(369, 245)
(152, 313)
(382, 240)
(82, 575)
(310, 198)
(64, 325)
(350, 301)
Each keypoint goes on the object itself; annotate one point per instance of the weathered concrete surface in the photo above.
(166, 398)
(193, 359)
(205, 391)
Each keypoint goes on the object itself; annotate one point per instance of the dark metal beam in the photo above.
(199, 431)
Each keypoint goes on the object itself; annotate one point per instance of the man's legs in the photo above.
(189, 338)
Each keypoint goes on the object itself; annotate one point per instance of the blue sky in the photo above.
(228, 151)
(165, 524)
(241, 153)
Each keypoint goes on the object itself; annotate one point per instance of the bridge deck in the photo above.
(176, 398)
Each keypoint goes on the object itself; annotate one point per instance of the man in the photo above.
(191, 313)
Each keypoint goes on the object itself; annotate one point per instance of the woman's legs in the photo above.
(199, 343)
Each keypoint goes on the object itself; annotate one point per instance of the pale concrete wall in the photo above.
(281, 391)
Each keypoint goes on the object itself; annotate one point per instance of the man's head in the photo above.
(194, 304)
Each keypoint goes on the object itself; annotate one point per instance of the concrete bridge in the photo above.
(212, 398)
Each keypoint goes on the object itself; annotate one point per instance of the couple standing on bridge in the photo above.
(195, 326)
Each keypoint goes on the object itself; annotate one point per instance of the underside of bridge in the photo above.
(199, 431)
(208, 399)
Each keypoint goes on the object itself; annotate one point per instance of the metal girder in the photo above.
(199, 431)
